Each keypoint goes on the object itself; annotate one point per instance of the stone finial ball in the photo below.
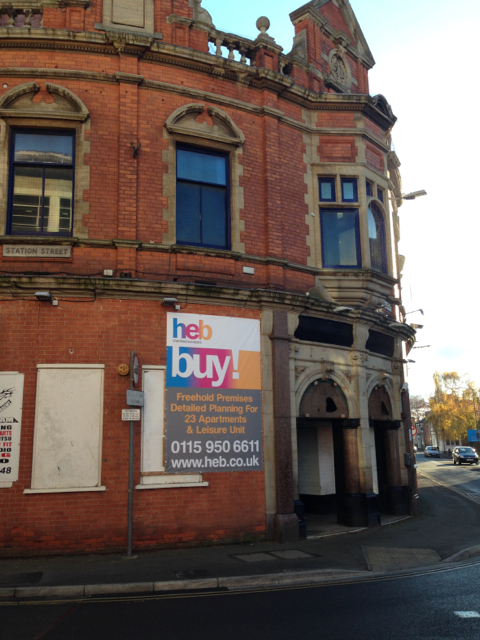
(263, 23)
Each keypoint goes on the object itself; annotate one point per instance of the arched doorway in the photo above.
(394, 498)
(323, 446)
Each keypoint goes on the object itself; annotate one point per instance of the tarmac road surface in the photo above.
(464, 478)
(431, 605)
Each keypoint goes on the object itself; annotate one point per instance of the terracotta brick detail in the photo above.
(336, 149)
(375, 158)
(336, 120)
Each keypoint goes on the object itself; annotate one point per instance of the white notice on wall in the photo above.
(11, 401)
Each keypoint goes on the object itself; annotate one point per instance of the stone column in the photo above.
(286, 521)
(351, 506)
(399, 498)
(352, 468)
(411, 471)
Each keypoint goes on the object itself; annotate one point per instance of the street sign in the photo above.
(414, 430)
(130, 415)
(134, 398)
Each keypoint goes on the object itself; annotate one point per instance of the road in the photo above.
(425, 606)
(465, 479)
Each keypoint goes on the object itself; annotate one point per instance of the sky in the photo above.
(426, 56)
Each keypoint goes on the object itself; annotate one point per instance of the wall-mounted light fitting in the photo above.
(43, 296)
(169, 302)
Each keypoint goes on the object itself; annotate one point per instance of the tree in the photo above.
(452, 407)
(419, 407)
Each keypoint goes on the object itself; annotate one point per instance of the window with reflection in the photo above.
(340, 237)
(202, 208)
(376, 237)
(41, 183)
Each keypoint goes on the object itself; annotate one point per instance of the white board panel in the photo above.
(153, 416)
(68, 428)
(308, 471)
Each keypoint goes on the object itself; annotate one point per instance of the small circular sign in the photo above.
(123, 370)
(414, 430)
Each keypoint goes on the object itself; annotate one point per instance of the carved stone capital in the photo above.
(327, 368)
(299, 370)
(358, 357)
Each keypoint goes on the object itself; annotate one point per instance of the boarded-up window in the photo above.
(68, 427)
(129, 12)
(129, 15)
(153, 424)
(153, 474)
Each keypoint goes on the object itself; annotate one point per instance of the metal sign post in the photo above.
(133, 381)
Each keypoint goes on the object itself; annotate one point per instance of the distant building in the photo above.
(229, 212)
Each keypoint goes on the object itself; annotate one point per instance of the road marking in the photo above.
(467, 614)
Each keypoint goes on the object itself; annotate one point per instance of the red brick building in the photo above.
(154, 165)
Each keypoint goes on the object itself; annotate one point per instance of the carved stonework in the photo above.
(357, 357)
(200, 14)
(382, 378)
(327, 368)
(397, 366)
(339, 68)
(299, 370)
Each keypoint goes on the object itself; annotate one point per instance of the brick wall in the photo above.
(104, 332)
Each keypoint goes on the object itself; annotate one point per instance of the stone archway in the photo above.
(394, 498)
(328, 458)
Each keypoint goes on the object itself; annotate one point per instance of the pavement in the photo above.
(447, 529)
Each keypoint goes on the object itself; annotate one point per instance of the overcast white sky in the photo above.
(426, 54)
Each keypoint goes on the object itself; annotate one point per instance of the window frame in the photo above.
(331, 181)
(358, 245)
(354, 181)
(383, 238)
(11, 178)
(211, 152)
(152, 469)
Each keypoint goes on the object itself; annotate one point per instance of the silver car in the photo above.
(432, 452)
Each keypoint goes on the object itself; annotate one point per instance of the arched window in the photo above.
(376, 237)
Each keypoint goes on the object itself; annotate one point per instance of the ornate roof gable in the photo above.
(321, 13)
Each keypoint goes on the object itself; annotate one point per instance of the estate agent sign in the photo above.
(213, 398)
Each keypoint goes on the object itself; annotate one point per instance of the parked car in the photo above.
(432, 452)
(415, 448)
(465, 454)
